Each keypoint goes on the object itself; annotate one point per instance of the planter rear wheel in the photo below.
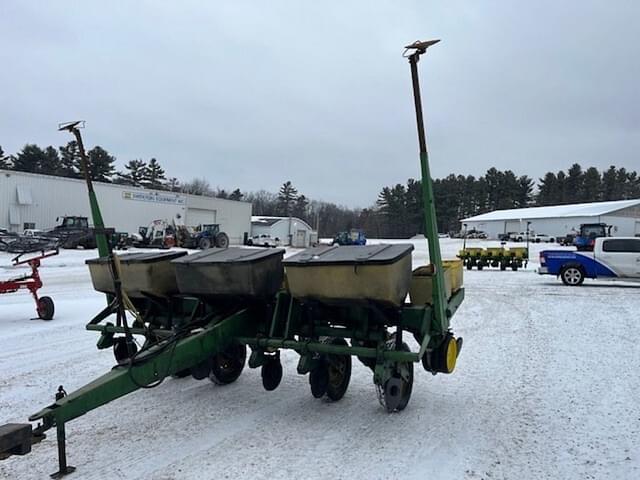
(339, 369)
(319, 379)
(45, 308)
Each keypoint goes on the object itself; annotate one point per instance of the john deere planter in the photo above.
(198, 313)
(496, 257)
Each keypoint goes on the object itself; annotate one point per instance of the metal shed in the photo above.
(30, 200)
(622, 215)
(288, 230)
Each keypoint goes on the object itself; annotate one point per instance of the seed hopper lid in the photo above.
(140, 257)
(350, 255)
(230, 255)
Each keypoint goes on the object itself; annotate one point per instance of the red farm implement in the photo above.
(32, 282)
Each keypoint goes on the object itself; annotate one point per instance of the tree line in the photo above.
(397, 213)
(64, 161)
(398, 210)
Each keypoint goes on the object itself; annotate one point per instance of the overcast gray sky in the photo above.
(250, 94)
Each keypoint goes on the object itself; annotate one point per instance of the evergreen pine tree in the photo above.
(610, 188)
(136, 173)
(70, 160)
(154, 175)
(50, 162)
(574, 184)
(5, 163)
(101, 164)
(591, 186)
(286, 198)
(561, 188)
(547, 190)
(29, 159)
(236, 195)
(525, 189)
(300, 207)
(632, 189)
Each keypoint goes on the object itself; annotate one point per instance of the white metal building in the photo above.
(289, 230)
(30, 200)
(623, 215)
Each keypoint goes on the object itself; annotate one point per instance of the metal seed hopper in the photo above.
(198, 313)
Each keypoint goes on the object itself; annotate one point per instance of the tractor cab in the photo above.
(73, 222)
(586, 239)
(211, 228)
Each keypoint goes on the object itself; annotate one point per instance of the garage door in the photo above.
(513, 226)
(200, 216)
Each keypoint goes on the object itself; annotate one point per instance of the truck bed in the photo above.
(553, 261)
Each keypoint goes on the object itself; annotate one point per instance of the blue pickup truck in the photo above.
(611, 258)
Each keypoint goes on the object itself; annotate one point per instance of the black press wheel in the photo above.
(396, 391)
(45, 308)
(572, 276)
(339, 370)
(228, 365)
(271, 372)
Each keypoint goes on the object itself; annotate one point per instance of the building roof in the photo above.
(593, 209)
(268, 221)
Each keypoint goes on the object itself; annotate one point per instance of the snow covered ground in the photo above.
(546, 387)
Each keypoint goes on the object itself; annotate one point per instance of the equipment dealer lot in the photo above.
(546, 387)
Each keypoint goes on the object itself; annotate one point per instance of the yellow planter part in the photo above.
(518, 252)
(455, 267)
(471, 252)
(421, 288)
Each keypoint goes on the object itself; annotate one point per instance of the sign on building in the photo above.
(156, 197)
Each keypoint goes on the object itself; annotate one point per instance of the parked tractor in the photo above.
(586, 239)
(209, 235)
(352, 237)
(73, 232)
